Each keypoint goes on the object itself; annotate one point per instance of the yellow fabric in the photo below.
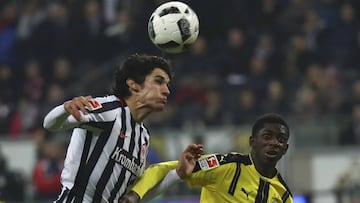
(216, 185)
(221, 183)
(153, 175)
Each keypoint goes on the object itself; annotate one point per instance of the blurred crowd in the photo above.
(300, 58)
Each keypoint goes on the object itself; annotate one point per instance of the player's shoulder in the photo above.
(106, 98)
(104, 103)
(210, 161)
(235, 157)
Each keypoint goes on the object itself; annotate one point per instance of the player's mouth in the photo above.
(272, 153)
(163, 101)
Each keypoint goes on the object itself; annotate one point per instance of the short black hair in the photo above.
(137, 67)
(269, 118)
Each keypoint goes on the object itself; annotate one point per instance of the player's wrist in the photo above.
(66, 106)
(179, 173)
(131, 197)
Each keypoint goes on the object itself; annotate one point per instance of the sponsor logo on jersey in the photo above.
(247, 193)
(208, 162)
(128, 161)
(94, 105)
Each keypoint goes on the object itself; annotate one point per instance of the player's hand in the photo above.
(188, 158)
(77, 105)
(130, 197)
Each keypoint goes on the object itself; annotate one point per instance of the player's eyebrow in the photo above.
(162, 78)
(273, 131)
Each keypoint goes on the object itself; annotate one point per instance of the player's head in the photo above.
(136, 68)
(269, 138)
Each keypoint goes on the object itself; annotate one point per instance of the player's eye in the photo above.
(282, 139)
(266, 136)
(159, 81)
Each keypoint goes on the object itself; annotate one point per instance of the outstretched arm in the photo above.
(67, 115)
(160, 177)
(186, 164)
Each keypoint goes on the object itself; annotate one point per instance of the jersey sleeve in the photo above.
(204, 172)
(153, 176)
(58, 118)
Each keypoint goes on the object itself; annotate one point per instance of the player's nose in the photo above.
(166, 90)
(274, 141)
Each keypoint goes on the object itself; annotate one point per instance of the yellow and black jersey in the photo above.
(224, 178)
(233, 178)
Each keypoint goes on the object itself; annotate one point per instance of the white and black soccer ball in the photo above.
(173, 27)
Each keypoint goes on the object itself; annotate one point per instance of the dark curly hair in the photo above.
(137, 67)
(269, 118)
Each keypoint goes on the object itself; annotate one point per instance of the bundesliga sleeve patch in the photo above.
(94, 105)
(208, 162)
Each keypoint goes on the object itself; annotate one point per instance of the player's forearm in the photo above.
(58, 118)
(166, 183)
(152, 177)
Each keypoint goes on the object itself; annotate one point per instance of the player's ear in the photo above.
(133, 86)
(251, 140)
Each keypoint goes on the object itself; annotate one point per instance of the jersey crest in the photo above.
(208, 162)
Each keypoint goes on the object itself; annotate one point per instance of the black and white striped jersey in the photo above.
(106, 154)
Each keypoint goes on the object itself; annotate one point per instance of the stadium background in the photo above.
(300, 58)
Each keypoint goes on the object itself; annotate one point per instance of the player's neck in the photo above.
(265, 169)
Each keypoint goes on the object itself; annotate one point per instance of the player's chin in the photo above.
(159, 107)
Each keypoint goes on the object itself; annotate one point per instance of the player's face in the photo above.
(155, 90)
(270, 143)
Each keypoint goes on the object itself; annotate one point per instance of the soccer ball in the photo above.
(173, 27)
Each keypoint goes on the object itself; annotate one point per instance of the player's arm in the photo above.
(185, 166)
(157, 178)
(160, 177)
(68, 115)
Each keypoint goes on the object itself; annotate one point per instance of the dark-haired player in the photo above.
(229, 177)
(109, 143)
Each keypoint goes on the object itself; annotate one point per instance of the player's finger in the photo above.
(197, 156)
(189, 148)
(89, 97)
(192, 147)
(87, 100)
(200, 148)
(81, 104)
(197, 149)
(74, 111)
